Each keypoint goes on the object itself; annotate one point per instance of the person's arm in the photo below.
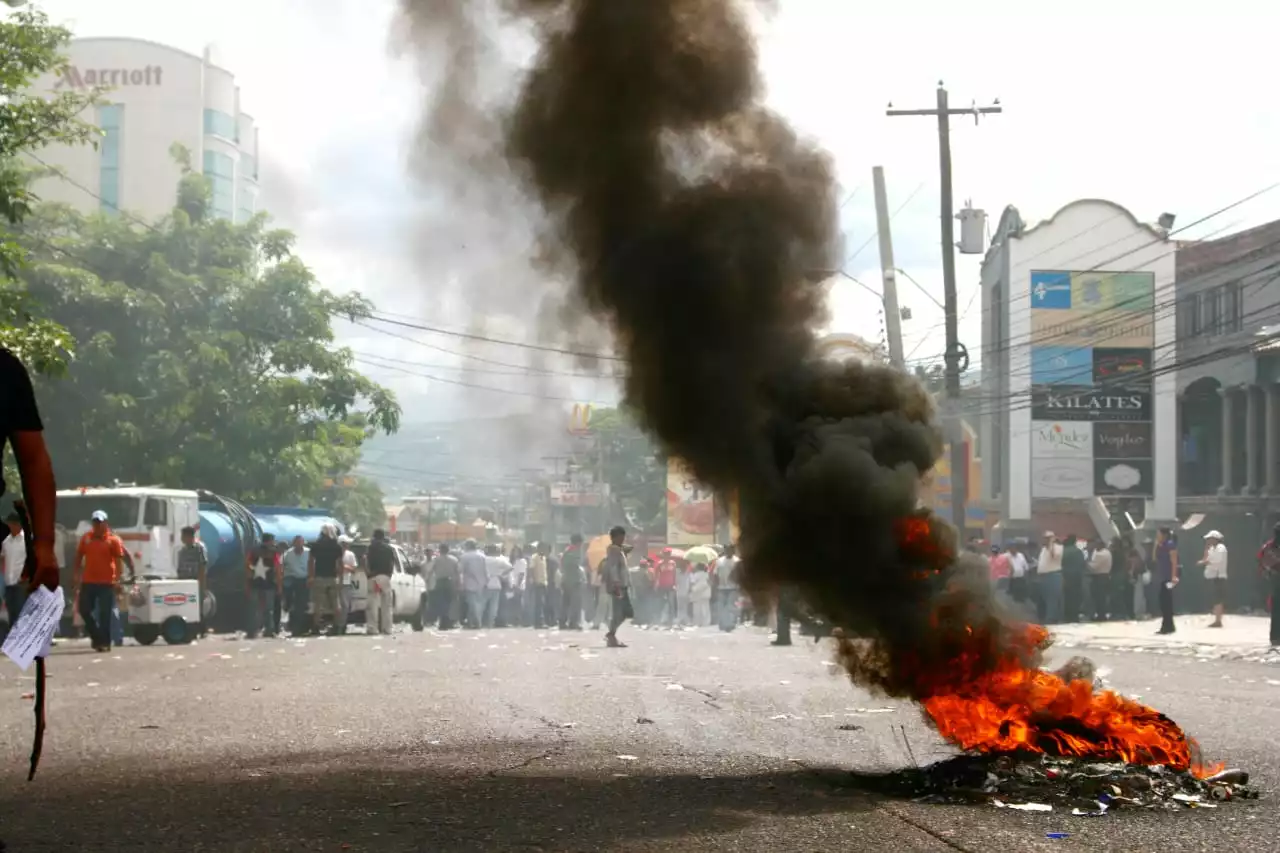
(279, 572)
(1173, 564)
(311, 567)
(121, 556)
(128, 561)
(202, 569)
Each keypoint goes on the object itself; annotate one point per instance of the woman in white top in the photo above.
(700, 595)
(1215, 572)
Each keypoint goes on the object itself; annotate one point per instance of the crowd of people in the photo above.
(539, 587)
(1073, 579)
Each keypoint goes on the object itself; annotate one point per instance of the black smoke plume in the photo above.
(692, 220)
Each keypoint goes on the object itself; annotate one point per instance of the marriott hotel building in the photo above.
(155, 96)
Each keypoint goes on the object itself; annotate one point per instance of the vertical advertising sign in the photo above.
(1092, 336)
(691, 510)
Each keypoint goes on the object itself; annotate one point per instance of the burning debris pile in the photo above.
(1040, 783)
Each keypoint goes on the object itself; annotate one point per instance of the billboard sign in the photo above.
(1122, 440)
(1124, 477)
(691, 513)
(1061, 478)
(1122, 366)
(1092, 342)
(578, 494)
(1086, 403)
(1061, 440)
(1092, 328)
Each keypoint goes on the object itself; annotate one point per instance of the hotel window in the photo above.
(110, 118)
(220, 170)
(219, 123)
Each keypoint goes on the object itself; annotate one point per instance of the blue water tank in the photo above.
(225, 549)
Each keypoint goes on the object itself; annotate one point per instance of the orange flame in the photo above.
(987, 698)
(1016, 709)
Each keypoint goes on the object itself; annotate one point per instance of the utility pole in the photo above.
(955, 351)
(892, 315)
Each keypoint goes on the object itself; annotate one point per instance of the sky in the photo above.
(1153, 105)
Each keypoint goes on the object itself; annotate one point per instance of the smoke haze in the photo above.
(690, 219)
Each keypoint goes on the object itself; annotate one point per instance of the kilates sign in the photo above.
(1092, 345)
(75, 77)
(1075, 403)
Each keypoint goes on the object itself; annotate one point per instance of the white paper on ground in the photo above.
(32, 637)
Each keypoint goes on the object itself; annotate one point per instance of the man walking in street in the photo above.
(193, 564)
(727, 589)
(263, 582)
(498, 568)
(98, 569)
(572, 580)
(615, 581)
(294, 564)
(475, 579)
(1074, 567)
(13, 552)
(381, 561)
(323, 570)
(347, 587)
(445, 577)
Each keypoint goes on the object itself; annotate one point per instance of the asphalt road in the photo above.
(532, 741)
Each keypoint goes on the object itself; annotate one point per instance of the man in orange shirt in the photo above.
(99, 561)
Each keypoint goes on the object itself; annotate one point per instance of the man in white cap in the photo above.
(1215, 572)
(1049, 579)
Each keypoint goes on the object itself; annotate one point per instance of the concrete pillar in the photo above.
(1272, 437)
(1252, 444)
(1228, 416)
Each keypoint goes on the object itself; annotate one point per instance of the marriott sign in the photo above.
(75, 77)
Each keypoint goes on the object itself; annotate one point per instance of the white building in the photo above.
(156, 96)
(1078, 333)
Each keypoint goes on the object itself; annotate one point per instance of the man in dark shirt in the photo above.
(21, 427)
(263, 582)
(325, 564)
(1166, 558)
(381, 561)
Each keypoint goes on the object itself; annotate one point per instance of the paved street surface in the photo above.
(527, 741)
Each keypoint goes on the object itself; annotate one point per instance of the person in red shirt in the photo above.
(1001, 568)
(99, 563)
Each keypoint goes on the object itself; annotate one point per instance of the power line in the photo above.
(423, 327)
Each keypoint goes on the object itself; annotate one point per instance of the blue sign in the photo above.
(1051, 290)
(1062, 365)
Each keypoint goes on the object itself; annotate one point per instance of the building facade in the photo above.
(1228, 396)
(154, 96)
(1079, 369)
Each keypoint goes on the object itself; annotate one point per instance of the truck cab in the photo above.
(148, 520)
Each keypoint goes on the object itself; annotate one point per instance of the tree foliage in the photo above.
(633, 467)
(357, 504)
(206, 354)
(29, 48)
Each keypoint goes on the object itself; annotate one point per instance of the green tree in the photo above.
(633, 467)
(206, 354)
(358, 504)
(29, 48)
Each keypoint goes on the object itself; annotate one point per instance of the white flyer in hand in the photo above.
(32, 637)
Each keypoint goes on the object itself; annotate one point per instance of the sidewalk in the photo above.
(1240, 638)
